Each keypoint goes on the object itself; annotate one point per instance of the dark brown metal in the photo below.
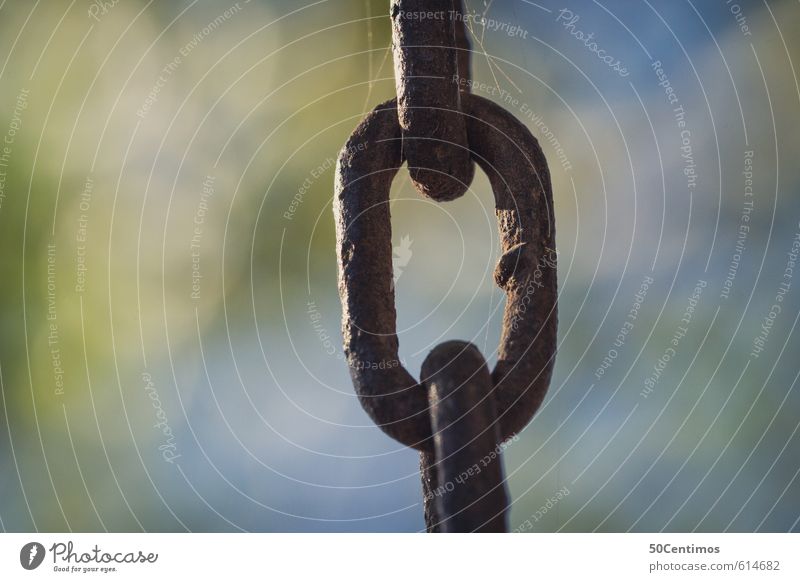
(512, 159)
(526, 271)
(364, 172)
(458, 416)
(462, 46)
(429, 475)
(426, 38)
(470, 495)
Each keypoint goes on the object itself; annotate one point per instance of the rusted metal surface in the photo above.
(470, 495)
(526, 271)
(426, 36)
(429, 475)
(459, 413)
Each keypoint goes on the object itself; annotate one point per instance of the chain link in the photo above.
(425, 45)
(458, 414)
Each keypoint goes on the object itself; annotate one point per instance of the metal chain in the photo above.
(458, 415)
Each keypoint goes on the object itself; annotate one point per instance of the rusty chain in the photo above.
(458, 414)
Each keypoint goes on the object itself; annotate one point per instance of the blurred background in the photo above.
(170, 355)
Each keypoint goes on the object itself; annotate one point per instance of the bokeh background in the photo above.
(170, 353)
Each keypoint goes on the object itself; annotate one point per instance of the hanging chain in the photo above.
(458, 414)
